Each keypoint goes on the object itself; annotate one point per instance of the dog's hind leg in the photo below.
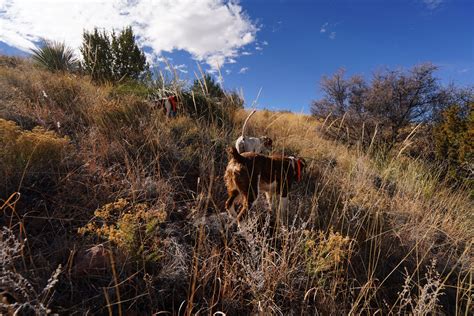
(230, 205)
(249, 198)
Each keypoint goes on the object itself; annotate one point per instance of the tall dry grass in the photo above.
(366, 235)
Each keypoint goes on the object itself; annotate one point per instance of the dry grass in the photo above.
(367, 235)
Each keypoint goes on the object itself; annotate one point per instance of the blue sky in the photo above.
(366, 35)
(282, 47)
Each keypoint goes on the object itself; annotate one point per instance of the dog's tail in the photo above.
(246, 120)
(234, 154)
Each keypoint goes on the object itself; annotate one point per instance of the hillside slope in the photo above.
(129, 205)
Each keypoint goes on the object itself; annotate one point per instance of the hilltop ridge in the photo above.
(130, 204)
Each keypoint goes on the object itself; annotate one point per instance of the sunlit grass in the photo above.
(367, 234)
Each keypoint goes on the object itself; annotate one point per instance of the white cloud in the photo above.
(243, 70)
(181, 68)
(276, 27)
(212, 31)
(327, 30)
(324, 27)
(432, 4)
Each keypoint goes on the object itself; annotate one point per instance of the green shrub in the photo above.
(131, 88)
(454, 141)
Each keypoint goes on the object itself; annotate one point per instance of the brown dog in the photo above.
(247, 173)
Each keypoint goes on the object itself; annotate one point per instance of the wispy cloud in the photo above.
(276, 27)
(432, 4)
(181, 68)
(212, 31)
(243, 70)
(327, 29)
(324, 27)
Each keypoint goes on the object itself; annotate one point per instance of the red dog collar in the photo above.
(298, 170)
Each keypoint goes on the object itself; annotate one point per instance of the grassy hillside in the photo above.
(109, 207)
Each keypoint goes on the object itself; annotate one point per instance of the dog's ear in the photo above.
(267, 142)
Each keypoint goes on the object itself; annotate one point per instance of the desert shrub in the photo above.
(421, 299)
(382, 112)
(326, 253)
(35, 154)
(130, 226)
(55, 56)
(60, 102)
(10, 61)
(454, 142)
(207, 101)
(131, 88)
(211, 110)
(129, 112)
(126, 121)
(19, 295)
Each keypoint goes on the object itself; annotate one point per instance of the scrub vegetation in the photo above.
(107, 206)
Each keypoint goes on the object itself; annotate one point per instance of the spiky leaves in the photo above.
(55, 56)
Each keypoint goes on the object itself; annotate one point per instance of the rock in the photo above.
(92, 261)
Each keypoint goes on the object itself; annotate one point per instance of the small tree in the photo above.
(55, 56)
(129, 59)
(112, 57)
(398, 99)
(208, 87)
(97, 55)
(336, 95)
(392, 101)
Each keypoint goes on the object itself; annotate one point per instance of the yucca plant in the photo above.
(55, 56)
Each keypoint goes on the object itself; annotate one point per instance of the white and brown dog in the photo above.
(248, 173)
(169, 105)
(259, 145)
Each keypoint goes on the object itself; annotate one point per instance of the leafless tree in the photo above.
(336, 92)
(398, 98)
(391, 102)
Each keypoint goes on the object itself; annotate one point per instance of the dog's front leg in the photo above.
(284, 210)
(270, 201)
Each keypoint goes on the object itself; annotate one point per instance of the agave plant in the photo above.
(55, 56)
